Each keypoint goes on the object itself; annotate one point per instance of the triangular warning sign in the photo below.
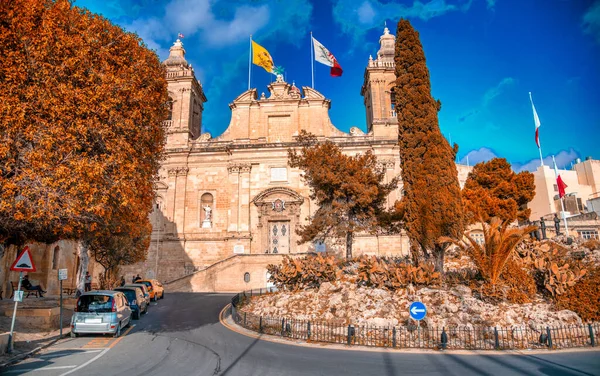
(23, 263)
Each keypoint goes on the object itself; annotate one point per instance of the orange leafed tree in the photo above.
(81, 135)
(349, 190)
(432, 204)
(493, 189)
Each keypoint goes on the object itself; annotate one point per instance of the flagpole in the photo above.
(562, 206)
(250, 62)
(537, 126)
(312, 61)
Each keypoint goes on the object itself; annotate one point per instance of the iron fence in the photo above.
(460, 337)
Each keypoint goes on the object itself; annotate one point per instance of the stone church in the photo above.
(229, 205)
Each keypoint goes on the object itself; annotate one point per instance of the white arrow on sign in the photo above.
(416, 310)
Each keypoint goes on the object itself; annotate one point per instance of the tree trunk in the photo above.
(84, 259)
(438, 254)
(349, 236)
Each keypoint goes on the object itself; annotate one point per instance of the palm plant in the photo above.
(491, 257)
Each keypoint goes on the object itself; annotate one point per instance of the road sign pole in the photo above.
(419, 331)
(12, 324)
(61, 307)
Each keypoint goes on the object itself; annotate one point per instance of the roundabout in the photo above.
(192, 334)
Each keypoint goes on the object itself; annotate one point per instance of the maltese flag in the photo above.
(536, 120)
(323, 56)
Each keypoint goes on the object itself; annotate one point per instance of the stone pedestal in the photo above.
(206, 223)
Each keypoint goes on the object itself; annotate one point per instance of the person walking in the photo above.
(26, 283)
(137, 278)
(122, 283)
(88, 281)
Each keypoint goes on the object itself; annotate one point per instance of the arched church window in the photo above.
(207, 207)
(170, 109)
(393, 102)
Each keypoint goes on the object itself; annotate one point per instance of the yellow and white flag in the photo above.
(261, 57)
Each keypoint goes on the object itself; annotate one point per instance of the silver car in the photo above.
(100, 312)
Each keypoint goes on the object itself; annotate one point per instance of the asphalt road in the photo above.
(182, 335)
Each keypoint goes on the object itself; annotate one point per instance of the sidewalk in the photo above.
(26, 338)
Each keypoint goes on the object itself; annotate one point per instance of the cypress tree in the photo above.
(432, 201)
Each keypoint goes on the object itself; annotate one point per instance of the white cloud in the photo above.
(493, 92)
(247, 20)
(475, 156)
(197, 18)
(488, 96)
(372, 13)
(490, 3)
(591, 21)
(563, 160)
(366, 13)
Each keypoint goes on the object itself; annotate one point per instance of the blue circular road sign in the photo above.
(417, 311)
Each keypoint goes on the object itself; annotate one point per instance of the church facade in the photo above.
(233, 200)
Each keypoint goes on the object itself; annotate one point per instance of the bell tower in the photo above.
(186, 99)
(377, 89)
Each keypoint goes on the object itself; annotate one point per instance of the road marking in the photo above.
(101, 354)
(86, 363)
(21, 370)
(121, 337)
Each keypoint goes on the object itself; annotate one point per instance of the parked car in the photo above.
(137, 300)
(142, 287)
(101, 312)
(157, 290)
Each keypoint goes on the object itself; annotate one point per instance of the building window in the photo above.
(279, 174)
(478, 237)
(588, 234)
(170, 109)
(55, 256)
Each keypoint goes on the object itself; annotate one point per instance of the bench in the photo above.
(14, 286)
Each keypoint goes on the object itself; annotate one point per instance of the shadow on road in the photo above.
(38, 362)
(184, 311)
(226, 370)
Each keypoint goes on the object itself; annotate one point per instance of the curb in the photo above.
(18, 358)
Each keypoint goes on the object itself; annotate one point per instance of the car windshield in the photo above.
(141, 288)
(148, 284)
(94, 303)
(130, 294)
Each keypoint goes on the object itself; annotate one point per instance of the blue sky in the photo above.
(484, 56)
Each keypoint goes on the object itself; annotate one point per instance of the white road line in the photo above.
(21, 370)
(86, 363)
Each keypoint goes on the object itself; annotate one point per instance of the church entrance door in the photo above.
(279, 237)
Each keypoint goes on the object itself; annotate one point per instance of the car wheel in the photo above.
(136, 315)
(118, 331)
(73, 334)
(162, 296)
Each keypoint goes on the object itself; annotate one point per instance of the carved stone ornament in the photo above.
(178, 171)
(355, 131)
(204, 137)
(279, 205)
(236, 168)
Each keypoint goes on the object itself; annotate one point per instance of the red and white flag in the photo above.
(559, 182)
(536, 120)
(323, 56)
(180, 36)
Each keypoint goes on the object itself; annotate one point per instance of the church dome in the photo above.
(176, 55)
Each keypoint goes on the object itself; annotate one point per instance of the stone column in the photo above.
(234, 203)
(244, 195)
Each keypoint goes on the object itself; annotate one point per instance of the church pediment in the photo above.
(247, 96)
(269, 196)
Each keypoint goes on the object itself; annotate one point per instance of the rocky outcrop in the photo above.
(345, 303)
